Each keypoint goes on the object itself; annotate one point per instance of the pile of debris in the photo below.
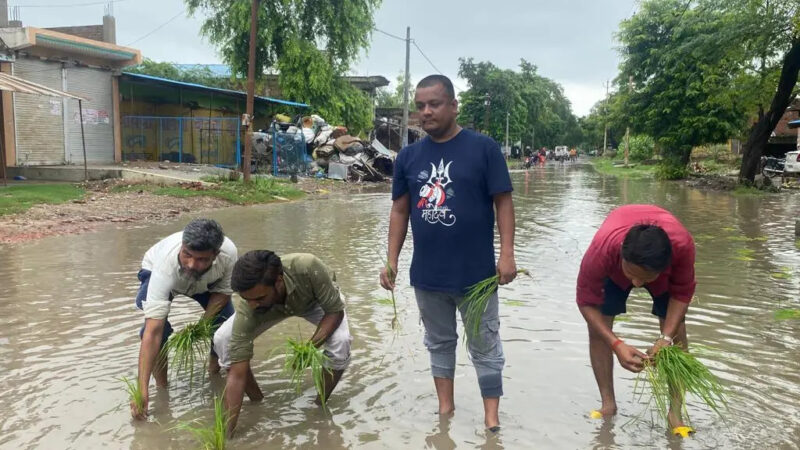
(314, 148)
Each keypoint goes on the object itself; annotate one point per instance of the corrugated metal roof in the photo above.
(209, 88)
(17, 84)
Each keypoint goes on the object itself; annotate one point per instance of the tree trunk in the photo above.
(762, 129)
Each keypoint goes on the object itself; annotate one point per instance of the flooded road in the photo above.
(71, 331)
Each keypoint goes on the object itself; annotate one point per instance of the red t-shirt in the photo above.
(603, 258)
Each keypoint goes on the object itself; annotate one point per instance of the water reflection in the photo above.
(70, 331)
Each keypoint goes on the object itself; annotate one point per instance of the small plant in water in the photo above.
(184, 348)
(135, 395)
(301, 355)
(787, 314)
(212, 437)
(476, 301)
(672, 373)
(391, 273)
(784, 274)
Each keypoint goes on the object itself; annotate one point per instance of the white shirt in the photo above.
(166, 279)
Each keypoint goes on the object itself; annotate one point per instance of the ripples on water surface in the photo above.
(70, 331)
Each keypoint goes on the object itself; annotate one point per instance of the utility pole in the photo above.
(251, 87)
(605, 123)
(407, 82)
(533, 139)
(486, 103)
(507, 150)
(628, 128)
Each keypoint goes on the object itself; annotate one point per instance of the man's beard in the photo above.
(191, 274)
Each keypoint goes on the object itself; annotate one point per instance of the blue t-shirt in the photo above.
(451, 187)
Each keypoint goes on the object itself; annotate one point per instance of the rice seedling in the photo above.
(135, 395)
(301, 355)
(622, 318)
(391, 273)
(384, 301)
(797, 244)
(787, 314)
(212, 437)
(189, 345)
(744, 254)
(476, 301)
(514, 303)
(728, 229)
(673, 373)
(784, 274)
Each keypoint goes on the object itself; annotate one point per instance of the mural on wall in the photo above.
(92, 117)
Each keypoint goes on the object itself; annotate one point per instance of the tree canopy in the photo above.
(533, 104)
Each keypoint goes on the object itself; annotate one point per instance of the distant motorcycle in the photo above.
(772, 167)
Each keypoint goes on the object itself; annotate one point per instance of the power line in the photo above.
(426, 57)
(67, 5)
(157, 28)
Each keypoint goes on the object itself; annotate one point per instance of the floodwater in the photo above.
(70, 331)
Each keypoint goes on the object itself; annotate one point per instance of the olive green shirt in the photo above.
(309, 283)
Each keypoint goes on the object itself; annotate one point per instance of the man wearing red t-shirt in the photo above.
(637, 246)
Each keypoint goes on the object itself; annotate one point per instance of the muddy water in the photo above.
(70, 331)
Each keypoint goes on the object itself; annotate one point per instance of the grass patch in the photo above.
(259, 190)
(301, 355)
(606, 166)
(672, 373)
(184, 348)
(17, 199)
(787, 314)
(212, 437)
(477, 299)
(135, 395)
(749, 191)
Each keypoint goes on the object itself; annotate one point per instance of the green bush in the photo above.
(642, 148)
(666, 171)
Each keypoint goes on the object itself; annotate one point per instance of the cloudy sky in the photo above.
(571, 41)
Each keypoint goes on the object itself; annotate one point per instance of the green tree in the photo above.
(325, 35)
(674, 79)
(386, 98)
(197, 75)
(531, 102)
(705, 70)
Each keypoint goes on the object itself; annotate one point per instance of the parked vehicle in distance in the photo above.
(792, 165)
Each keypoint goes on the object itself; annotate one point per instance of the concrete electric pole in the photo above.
(251, 87)
(406, 87)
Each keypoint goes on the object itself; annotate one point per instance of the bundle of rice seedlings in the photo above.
(184, 348)
(674, 372)
(212, 437)
(477, 299)
(135, 395)
(301, 355)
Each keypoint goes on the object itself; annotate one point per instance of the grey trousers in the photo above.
(438, 313)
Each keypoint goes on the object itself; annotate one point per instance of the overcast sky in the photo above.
(571, 41)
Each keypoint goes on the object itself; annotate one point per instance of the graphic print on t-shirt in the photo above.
(434, 193)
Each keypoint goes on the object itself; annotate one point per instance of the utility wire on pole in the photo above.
(487, 102)
(251, 87)
(406, 84)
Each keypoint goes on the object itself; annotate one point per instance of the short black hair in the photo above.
(433, 80)
(647, 246)
(256, 267)
(202, 235)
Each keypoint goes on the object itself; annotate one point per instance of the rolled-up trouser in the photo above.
(336, 348)
(438, 312)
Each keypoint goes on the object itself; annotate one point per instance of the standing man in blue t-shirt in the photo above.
(449, 185)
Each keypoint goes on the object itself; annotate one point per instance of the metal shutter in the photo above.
(95, 86)
(39, 120)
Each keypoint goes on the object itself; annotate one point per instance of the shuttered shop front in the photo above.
(39, 120)
(95, 86)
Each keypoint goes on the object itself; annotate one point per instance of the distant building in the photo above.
(84, 61)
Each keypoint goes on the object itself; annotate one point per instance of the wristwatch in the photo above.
(664, 337)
